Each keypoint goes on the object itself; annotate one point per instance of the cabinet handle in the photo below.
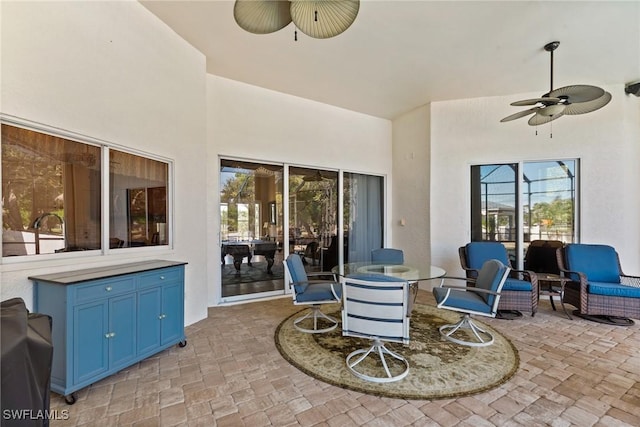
(162, 316)
(110, 335)
(106, 335)
(108, 288)
(161, 277)
(113, 334)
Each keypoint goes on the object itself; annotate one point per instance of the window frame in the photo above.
(105, 147)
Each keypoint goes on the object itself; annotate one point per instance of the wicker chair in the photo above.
(598, 287)
(520, 291)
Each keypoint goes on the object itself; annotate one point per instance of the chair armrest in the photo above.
(333, 290)
(582, 278)
(630, 280)
(465, 279)
(526, 275)
(568, 273)
(323, 273)
(467, 289)
(472, 289)
(470, 270)
(311, 282)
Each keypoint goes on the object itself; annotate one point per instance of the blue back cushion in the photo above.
(390, 255)
(598, 262)
(479, 252)
(297, 273)
(489, 278)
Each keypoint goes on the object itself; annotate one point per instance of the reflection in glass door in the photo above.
(251, 229)
(313, 215)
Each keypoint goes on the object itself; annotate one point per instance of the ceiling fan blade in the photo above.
(534, 101)
(520, 114)
(578, 93)
(262, 17)
(587, 107)
(540, 119)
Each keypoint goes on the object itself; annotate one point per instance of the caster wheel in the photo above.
(70, 399)
(182, 343)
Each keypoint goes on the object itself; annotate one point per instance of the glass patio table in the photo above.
(412, 273)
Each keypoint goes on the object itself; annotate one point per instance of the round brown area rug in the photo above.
(438, 368)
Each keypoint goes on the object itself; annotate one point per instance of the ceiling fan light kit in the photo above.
(567, 100)
(319, 19)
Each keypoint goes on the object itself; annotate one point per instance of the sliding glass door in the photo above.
(313, 216)
(363, 215)
(517, 203)
(251, 228)
(260, 224)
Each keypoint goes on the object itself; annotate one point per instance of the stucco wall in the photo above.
(606, 141)
(255, 123)
(411, 176)
(114, 72)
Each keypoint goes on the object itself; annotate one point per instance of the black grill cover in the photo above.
(27, 352)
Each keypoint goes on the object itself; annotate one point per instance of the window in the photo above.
(138, 195)
(52, 195)
(517, 203)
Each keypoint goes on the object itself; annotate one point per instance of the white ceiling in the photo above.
(399, 55)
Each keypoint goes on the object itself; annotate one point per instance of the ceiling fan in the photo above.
(567, 100)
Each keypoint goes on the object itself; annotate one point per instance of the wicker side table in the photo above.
(553, 286)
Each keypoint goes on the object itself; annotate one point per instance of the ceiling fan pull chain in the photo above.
(551, 130)
(315, 16)
(295, 35)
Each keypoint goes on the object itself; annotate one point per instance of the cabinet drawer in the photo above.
(158, 277)
(104, 289)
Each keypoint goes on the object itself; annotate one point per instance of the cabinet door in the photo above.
(122, 330)
(149, 304)
(172, 313)
(90, 340)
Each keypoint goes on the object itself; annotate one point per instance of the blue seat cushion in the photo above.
(319, 291)
(479, 252)
(613, 289)
(598, 262)
(461, 300)
(517, 285)
(300, 287)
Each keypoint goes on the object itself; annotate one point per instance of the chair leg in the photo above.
(315, 314)
(483, 337)
(381, 350)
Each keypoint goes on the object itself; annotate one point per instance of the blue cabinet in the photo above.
(108, 318)
(160, 310)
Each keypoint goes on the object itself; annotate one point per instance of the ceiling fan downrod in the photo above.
(550, 47)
